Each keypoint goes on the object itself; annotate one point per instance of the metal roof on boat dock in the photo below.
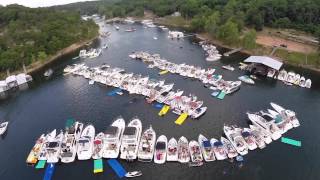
(265, 60)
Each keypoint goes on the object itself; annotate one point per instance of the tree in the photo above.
(249, 39)
(212, 23)
(42, 56)
(229, 32)
(198, 23)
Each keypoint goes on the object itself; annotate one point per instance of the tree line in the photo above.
(28, 35)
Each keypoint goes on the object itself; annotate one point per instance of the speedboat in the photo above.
(3, 127)
(231, 151)
(249, 138)
(68, 146)
(269, 127)
(246, 79)
(43, 152)
(218, 149)
(198, 112)
(172, 150)
(146, 146)
(283, 123)
(228, 67)
(98, 146)
(308, 83)
(195, 151)
(133, 174)
(257, 137)
(112, 138)
(236, 140)
(130, 140)
(286, 114)
(34, 153)
(183, 150)
(302, 82)
(53, 148)
(258, 131)
(160, 154)
(206, 148)
(85, 143)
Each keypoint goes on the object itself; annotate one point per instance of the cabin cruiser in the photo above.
(53, 148)
(236, 140)
(231, 151)
(160, 152)
(183, 150)
(256, 137)
(147, 145)
(286, 114)
(112, 138)
(42, 155)
(172, 150)
(130, 140)
(206, 148)
(219, 149)
(85, 143)
(195, 151)
(249, 138)
(68, 146)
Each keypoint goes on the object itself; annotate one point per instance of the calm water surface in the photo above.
(48, 103)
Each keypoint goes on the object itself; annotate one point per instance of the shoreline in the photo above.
(39, 65)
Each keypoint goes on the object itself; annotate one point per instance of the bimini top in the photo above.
(270, 62)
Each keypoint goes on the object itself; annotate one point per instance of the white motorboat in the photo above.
(183, 150)
(112, 138)
(290, 77)
(236, 140)
(43, 152)
(282, 75)
(308, 83)
(3, 127)
(269, 127)
(133, 174)
(68, 145)
(257, 137)
(48, 73)
(218, 149)
(258, 131)
(198, 112)
(85, 143)
(302, 82)
(147, 145)
(284, 124)
(172, 150)
(246, 79)
(206, 148)
(160, 154)
(130, 140)
(98, 146)
(249, 138)
(195, 151)
(228, 67)
(287, 114)
(35, 151)
(232, 152)
(53, 148)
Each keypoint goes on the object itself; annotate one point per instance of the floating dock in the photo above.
(49, 172)
(291, 141)
(221, 95)
(232, 51)
(41, 164)
(164, 110)
(181, 118)
(117, 168)
(97, 166)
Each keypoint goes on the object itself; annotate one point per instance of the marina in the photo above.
(70, 95)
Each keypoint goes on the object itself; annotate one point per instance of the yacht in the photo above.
(160, 154)
(206, 148)
(236, 140)
(85, 143)
(112, 138)
(147, 145)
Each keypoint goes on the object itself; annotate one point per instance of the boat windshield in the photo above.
(111, 132)
(161, 145)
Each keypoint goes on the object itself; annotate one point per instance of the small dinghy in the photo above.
(133, 174)
(198, 112)
(228, 67)
(146, 146)
(3, 127)
(195, 164)
(183, 150)
(97, 146)
(48, 73)
(218, 149)
(308, 83)
(172, 150)
(195, 151)
(206, 148)
(160, 154)
(231, 151)
(85, 143)
(112, 138)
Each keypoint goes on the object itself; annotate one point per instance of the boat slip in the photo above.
(181, 118)
(117, 168)
(41, 164)
(164, 110)
(221, 95)
(98, 166)
(49, 172)
(291, 141)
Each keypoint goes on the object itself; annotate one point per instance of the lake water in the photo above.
(47, 104)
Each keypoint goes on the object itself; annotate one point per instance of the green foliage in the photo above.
(249, 40)
(198, 23)
(212, 23)
(27, 35)
(229, 32)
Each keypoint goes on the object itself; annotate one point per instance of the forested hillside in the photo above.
(28, 35)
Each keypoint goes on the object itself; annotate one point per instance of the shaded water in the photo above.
(48, 103)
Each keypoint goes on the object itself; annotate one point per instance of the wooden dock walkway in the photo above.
(232, 51)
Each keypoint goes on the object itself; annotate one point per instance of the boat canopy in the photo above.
(129, 131)
(265, 60)
(161, 145)
(217, 143)
(278, 119)
(206, 144)
(53, 144)
(245, 134)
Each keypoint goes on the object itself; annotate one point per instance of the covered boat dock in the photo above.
(263, 65)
